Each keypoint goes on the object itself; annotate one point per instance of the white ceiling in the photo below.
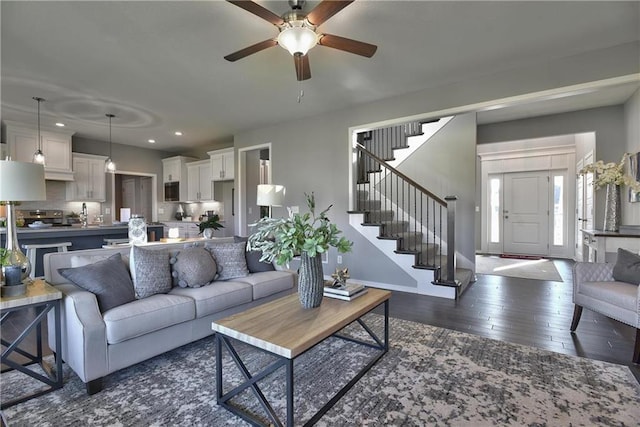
(159, 67)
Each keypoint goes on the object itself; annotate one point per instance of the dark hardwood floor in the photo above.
(522, 311)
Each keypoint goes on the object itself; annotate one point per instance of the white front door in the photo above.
(526, 213)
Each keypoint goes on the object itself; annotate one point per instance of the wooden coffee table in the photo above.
(286, 330)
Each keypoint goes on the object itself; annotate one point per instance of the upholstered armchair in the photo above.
(595, 288)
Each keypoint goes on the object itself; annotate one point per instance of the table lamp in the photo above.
(270, 195)
(19, 182)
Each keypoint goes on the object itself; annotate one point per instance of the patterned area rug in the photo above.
(540, 269)
(430, 376)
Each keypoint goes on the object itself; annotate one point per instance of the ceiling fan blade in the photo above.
(303, 72)
(326, 10)
(348, 45)
(258, 10)
(250, 50)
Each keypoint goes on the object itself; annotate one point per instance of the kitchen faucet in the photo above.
(84, 215)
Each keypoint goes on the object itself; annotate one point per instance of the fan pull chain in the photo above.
(301, 90)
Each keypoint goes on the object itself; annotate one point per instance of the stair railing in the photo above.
(406, 210)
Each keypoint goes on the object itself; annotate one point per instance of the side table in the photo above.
(42, 297)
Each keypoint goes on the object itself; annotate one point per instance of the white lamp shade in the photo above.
(270, 195)
(21, 182)
(297, 39)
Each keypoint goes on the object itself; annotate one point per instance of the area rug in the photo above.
(430, 376)
(541, 269)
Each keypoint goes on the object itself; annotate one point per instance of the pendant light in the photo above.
(109, 166)
(38, 156)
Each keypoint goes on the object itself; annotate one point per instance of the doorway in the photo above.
(134, 191)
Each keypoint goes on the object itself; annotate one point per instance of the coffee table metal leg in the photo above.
(289, 368)
(218, 368)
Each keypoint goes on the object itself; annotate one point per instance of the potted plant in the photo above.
(612, 176)
(306, 235)
(212, 223)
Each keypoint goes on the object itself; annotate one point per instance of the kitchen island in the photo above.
(90, 237)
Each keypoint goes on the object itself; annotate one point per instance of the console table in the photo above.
(597, 243)
(43, 298)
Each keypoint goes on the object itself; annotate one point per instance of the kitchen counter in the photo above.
(91, 237)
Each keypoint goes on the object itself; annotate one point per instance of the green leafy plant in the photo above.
(211, 222)
(4, 256)
(281, 239)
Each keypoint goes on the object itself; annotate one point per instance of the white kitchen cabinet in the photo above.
(56, 146)
(174, 170)
(199, 183)
(222, 164)
(89, 182)
(186, 229)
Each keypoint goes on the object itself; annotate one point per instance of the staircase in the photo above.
(412, 226)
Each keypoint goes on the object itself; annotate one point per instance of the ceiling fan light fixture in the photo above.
(297, 39)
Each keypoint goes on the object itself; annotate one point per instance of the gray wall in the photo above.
(127, 158)
(313, 154)
(445, 165)
(608, 124)
(631, 211)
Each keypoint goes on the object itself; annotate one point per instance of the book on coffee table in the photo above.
(346, 290)
(346, 297)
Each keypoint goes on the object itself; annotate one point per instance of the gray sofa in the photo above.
(95, 344)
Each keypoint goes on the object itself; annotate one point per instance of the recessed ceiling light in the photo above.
(152, 141)
(178, 133)
(61, 125)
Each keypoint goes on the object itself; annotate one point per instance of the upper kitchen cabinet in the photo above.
(90, 178)
(174, 177)
(222, 164)
(175, 168)
(199, 183)
(22, 141)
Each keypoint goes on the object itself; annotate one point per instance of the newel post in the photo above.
(451, 238)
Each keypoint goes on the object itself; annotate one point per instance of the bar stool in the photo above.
(33, 248)
(113, 242)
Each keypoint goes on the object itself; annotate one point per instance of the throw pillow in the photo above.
(230, 259)
(193, 267)
(82, 260)
(627, 267)
(150, 271)
(253, 259)
(108, 279)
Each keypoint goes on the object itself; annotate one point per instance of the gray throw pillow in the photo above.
(193, 267)
(253, 259)
(230, 259)
(108, 279)
(150, 271)
(627, 267)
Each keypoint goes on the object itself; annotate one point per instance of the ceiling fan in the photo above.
(298, 32)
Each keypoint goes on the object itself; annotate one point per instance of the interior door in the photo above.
(526, 213)
(584, 205)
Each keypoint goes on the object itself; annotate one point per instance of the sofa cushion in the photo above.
(230, 259)
(620, 294)
(193, 267)
(147, 315)
(150, 271)
(253, 259)
(627, 267)
(268, 282)
(108, 279)
(216, 296)
(82, 260)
